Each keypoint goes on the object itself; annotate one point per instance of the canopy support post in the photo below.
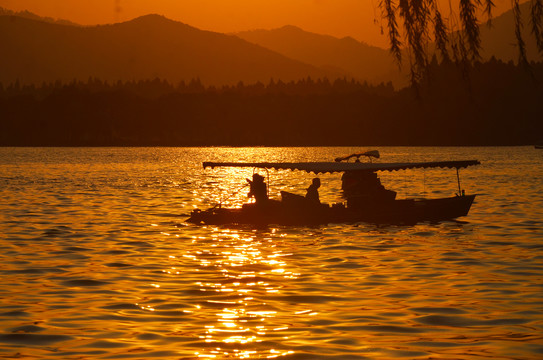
(268, 187)
(459, 187)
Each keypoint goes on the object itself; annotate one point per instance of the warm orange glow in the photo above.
(246, 265)
(356, 18)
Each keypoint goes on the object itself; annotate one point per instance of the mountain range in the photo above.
(28, 15)
(346, 55)
(36, 50)
(144, 48)
(374, 64)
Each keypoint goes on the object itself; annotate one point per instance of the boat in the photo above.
(366, 200)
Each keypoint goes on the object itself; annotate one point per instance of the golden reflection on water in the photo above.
(457, 290)
(225, 186)
(241, 318)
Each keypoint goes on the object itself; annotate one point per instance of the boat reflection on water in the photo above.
(239, 321)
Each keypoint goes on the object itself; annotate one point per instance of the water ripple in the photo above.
(97, 262)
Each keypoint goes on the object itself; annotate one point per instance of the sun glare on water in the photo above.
(238, 319)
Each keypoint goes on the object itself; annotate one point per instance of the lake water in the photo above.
(96, 261)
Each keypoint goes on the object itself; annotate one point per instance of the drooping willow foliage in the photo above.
(416, 24)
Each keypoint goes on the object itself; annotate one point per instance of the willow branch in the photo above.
(440, 33)
(523, 59)
(489, 4)
(471, 27)
(389, 12)
(536, 19)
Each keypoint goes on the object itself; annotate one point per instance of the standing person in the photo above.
(312, 193)
(258, 189)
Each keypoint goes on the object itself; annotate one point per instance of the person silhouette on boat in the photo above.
(361, 186)
(258, 189)
(312, 193)
(360, 182)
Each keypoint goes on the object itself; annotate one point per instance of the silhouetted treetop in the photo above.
(155, 88)
(503, 108)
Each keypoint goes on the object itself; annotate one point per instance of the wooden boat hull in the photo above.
(407, 211)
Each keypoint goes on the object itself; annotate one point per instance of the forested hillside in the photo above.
(499, 104)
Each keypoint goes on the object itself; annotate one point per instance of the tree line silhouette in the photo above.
(500, 104)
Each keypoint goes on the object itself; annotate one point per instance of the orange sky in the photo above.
(339, 18)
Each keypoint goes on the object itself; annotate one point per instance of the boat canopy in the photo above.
(331, 167)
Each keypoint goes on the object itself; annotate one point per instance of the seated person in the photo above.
(258, 189)
(312, 193)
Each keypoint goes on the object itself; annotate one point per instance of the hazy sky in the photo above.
(357, 18)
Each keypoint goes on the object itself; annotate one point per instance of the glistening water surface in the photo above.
(96, 261)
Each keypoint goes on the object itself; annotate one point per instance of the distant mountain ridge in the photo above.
(28, 15)
(36, 49)
(146, 47)
(358, 59)
(366, 62)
